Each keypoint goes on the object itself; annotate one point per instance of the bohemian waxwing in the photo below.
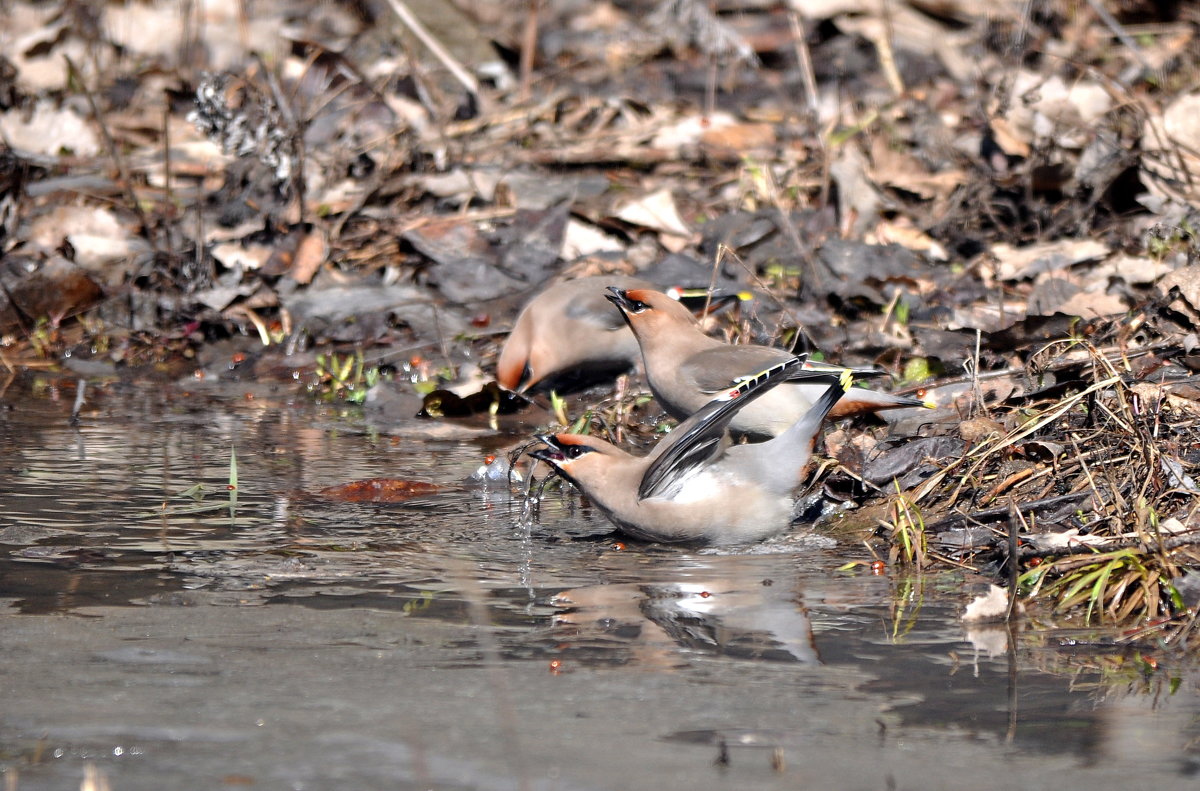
(685, 367)
(694, 485)
(568, 329)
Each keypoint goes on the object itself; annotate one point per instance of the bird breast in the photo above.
(716, 506)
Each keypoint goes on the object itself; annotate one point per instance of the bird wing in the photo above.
(698, 439)
(715, 369)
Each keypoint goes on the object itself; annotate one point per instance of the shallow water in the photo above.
(448, 642)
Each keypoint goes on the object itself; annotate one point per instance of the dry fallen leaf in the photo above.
(1134, 270)
(1092, 304)
(55, 289)
(1187, 280)
(101, 243)
(689, 130)
(583, 239)
(979, 428)
(1018, 263)
(858, 200)
(1010, 142)
(1154, 396)
(248, 256)
(1171, 150)
(736, 141)
(49, 130)
(850, 449)
(904, 234)
(901, 170)
(310, 254)
(1052, 109)
(657, 212)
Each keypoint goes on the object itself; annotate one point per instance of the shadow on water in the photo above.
(448, 642)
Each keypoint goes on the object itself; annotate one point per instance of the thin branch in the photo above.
(452, 65)
(1118, 31)
(529, 48)
(804, 58)
(115, 154)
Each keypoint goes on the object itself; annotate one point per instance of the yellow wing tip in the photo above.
(847, 379)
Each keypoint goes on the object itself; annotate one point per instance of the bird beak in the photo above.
(619, 298)
(552, 453)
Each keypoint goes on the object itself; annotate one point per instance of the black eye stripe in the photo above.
(575, 451)
(636, 306)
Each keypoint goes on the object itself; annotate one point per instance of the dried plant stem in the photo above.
(788, 227)
(167, 194)
(723, 252)
(804, 58)
(1125, 39)
(1123, 541)
(529, 48)
(118, 161)
(452, 65)
(1016, 521)
(887, 53)
(984, 452)
(295, 130)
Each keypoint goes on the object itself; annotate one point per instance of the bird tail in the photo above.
(782, 460)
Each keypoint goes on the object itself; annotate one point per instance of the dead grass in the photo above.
(1124, 452)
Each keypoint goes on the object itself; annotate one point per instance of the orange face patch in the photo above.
(510, 371)
(570, 439)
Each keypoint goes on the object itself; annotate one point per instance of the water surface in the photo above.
(451, 642)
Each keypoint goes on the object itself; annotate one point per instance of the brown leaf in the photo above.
(310, 254)
(979, 428)
(55, 289)
(379, 490)
(1187, 280)
(904, 171)
(735, 141)
(1017, 263)
(1170, 163)
(1089, 305)
(1011, 142)
(851, 450)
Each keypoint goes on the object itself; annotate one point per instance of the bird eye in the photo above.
(636, 306)
(575, 451)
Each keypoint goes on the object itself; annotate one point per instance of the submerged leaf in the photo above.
(379, 490)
